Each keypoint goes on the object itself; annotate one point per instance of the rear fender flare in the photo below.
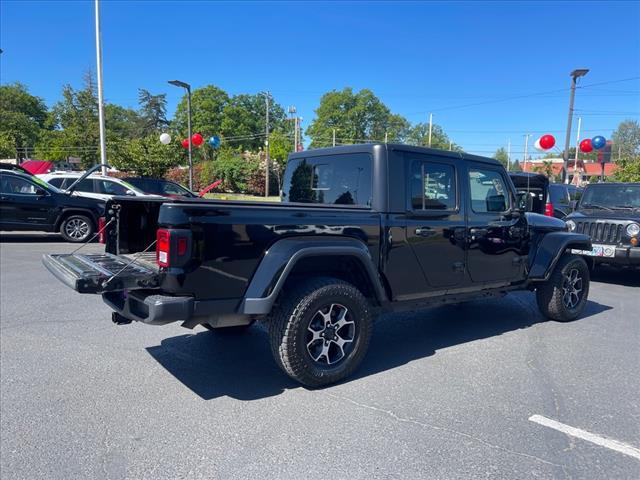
(281, 258)
(551, 247)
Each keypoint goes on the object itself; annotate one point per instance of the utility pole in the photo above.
(581, 72)
(526, 147)
(386, 137)
(103, 145)
(575, 160)
(294, 118)
(450, 145)
(266, 147)
(430, 126)
(334, 137)
(509, 155)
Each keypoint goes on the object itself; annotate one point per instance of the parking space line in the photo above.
(589, 437)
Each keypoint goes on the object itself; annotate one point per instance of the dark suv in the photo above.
(610, 214)
(29, 203)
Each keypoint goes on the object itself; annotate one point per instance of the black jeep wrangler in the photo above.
(361, 229)
(610, 214)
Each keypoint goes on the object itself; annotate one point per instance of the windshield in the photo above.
(611, 196)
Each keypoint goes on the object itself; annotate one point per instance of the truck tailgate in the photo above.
(98, 273)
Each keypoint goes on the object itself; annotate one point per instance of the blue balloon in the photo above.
(214, 141)
(598, 142)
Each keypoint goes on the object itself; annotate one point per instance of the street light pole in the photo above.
(103, 145)
(581, 72)
(187, 87)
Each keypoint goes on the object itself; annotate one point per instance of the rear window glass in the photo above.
(559, 194)
(332, 179)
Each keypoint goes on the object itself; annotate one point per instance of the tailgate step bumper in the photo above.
(100, 273)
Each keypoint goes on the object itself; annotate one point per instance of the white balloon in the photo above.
(538, 146)
(165, 139)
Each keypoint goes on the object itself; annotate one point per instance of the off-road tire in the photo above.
(82, 220)
(290, 318)
(550, 295)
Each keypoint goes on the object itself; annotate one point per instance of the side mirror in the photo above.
(573, 204)
(41, 192)
(131, 193)
(525, 201)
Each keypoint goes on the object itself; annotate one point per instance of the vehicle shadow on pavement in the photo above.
(241, 366)
(627, 278)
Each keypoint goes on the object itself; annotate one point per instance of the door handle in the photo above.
(425, 232)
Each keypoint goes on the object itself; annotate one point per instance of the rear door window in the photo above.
(108, 187)
(343, 179)
(559, 194)
(433, 186)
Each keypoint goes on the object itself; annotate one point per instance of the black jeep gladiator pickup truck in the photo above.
(360, 229)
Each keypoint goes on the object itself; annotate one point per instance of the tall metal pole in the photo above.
(334, 137)
(509, 155)
(103, 144)
(526, 147)
(565, 155)
(430, 125)
(575, 160)
(266, 147)
(295, 134)
(189, 133)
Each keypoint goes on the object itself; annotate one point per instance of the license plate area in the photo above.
(607, 251)
(99, 273)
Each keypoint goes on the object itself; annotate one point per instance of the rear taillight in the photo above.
(102, 235)
(173, 247)
(548, 209)
(163, 247)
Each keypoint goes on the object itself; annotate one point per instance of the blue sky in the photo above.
(418, 57)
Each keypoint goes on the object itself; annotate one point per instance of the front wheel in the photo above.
(564, 296)
(76, 228)
(320, 332)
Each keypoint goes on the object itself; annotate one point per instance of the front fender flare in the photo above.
(281, 258)
(551, 248)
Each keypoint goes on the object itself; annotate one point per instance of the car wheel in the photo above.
(564, 296)
(320, 331)
(76, 228)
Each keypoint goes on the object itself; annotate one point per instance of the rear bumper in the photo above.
(154, 308)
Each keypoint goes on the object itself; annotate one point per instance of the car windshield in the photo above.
(611, 197)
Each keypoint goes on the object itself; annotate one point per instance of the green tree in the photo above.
(145, 156)
(419, 135)
(121, 123)
(76, 116)
(356, 117)
(627, 170)
(22, 116)
(626, 139)
(244, 121)
(280, 146)
(502, 156)
(152, 112)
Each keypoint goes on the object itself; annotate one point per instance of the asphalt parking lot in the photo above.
(452, 392)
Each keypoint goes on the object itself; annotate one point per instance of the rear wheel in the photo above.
(76, 228)
(320, 332)
(564, 296)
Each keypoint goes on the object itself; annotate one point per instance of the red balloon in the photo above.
(547, 141)
(185, 143)
(585, 145)
(197, 139)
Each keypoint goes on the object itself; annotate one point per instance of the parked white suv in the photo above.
(95, 186)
